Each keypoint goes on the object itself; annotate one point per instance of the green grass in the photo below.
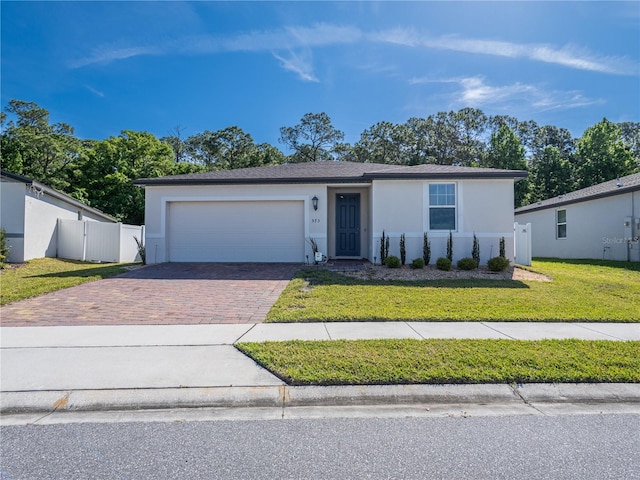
(375, 362)
(45, 275)
(581, 290)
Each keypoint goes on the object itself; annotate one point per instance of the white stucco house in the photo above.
(268, 214)
(598, 222)
(31, 214)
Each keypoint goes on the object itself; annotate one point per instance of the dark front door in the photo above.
(347, 225)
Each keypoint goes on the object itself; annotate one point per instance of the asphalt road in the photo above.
(509, 447)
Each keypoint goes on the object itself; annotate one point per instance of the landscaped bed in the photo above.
(579, 290)
(365, 362)
(44, 275)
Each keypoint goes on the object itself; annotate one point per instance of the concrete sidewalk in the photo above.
(48, 369)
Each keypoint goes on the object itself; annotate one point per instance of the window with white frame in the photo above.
(442, 206)
(561, 224)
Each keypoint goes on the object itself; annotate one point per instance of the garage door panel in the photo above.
(266, 231)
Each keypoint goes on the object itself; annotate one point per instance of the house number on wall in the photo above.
(315, 220)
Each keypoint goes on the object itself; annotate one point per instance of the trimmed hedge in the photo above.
(443, 263)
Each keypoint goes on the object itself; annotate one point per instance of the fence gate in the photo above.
(522, 244)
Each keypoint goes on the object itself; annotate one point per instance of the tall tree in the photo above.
(550, 174)
(506, 151)
(313, 139)
(33, 147)
(602, 155)
(630, 132)
(384, 142)
(177, 143)
(230, 148)
(111, 165)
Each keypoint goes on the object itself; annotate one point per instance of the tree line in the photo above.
(100, 172)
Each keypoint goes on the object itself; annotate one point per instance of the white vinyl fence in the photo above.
(522, 243)
(98, 241)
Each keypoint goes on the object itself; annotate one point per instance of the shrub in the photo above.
(392, 261)
(426, 249)
(4, 249)
(417, 263)
(475, 251)
(443, 264)
(502, 249)
(467, 263)
(450, 247)
(141, 250)
(383, 252)
(403, 250)
(498, 264)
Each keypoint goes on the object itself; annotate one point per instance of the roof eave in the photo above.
(561, 203)
(143, 182)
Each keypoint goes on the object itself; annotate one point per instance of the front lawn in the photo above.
(44, 275)
(368, 362)
(581, 290)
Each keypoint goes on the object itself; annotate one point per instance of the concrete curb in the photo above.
(309, 396)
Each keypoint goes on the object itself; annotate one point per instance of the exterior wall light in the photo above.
(314, 201)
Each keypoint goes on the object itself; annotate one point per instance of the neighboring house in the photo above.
(29, 214)
(268, 214)
(599, 222)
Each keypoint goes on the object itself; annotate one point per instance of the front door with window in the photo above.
(348, 225)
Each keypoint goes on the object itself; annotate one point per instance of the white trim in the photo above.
(426, 205)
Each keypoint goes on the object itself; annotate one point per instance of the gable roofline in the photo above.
(56, 194)
(329, 172)
(611, 188)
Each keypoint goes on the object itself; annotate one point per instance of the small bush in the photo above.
(417, 263)
(383, 252)
(142, 251)
(467, 263)
(4, 248)
(443, 264)
(475, 251)
(498, 264)
(426, 249)
(392, 261)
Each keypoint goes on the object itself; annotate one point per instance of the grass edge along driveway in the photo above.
(45, 275)
(437, 361)
(581, 290)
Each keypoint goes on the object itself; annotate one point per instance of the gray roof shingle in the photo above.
(630, 183)
(326, 172)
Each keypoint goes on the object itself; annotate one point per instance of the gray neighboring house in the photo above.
(269, 214)
(29, 214)
(598, 222)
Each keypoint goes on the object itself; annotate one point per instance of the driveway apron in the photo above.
(163, 294)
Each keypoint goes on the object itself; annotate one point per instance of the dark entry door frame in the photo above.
(348, 225)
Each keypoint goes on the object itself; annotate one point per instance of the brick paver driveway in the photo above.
(169, 293)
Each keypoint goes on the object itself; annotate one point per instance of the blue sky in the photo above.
(107, 66)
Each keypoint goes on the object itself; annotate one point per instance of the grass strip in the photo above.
(581, 290)
(435, 361)
(44, 275)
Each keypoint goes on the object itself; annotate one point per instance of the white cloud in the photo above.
(94, 91)
(293, 38)
(301, 65)
(476, 92)
(567, 56)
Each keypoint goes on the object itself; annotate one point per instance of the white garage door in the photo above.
(265, 231)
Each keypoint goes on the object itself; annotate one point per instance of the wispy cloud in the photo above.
(476, 92)
(567, 56)
(294, 38)
(94, 91)
(300, 64)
